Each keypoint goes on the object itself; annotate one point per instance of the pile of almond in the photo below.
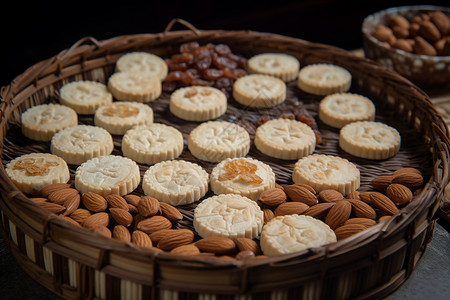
(426, 33)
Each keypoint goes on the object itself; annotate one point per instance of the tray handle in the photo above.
(182, 22)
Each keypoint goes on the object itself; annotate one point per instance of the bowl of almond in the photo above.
(414, 41)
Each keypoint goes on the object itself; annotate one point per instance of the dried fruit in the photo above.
(121, 216)
(338, 214)
(95, 220)
(319, 211)
(148, 206)
(154, 223)
(362, 210)
(348, 230)
(299, 193)
(217, 245)
(291, 208)
(399, 193)
(246, 171)
(383, 203)
(175, 239)
(94, 202)
(273, 197)
(330, 195)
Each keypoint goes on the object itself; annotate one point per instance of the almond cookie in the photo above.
(41, 122)
(136, 86)
(324, 79)
(143, 62)
(339, 109)
(176, 182)
(294, 233)
(279, 65)
(258, 90)
(118, 117)
(245, 176)
(31, 172)
(84, 97)
(232, 216)
(80, 143)
(152, 143)
(324, 172)
(214, 141)
(198, 103)
(108, 174)
(372, 140)
(285, 139)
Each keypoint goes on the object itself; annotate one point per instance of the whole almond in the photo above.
(121, 233)
(308, 187)
(362, 210)
(338, 214)
(403, 44)
(273, 197)
(383, 203)
(330, 195)
(94, 202)
(383, 34)
(121, 216)
(47, 190)
(60, 196)
(132, 209)
(156, 236)
(116, 201)
(383, 218)
(319, 211)
(97, 219)
(185, 250)
(362, 221)
(441, 21)
(80, 215)
(38, 200)
(246, 254)
(348, 230)
(69, 219)
(299, 193)
(268, 215)
(132, 199)
(421, 46)
(71, 204)
(429, 31)
(102, 230)
(414, 29)
(400, 32)
(175, 239)
(246, 244)
(291, 208)
(148, 206)
(399, 193)
(410, 180)
(353, 195)
(380, 183)
(52, 207)
(154, 223)
(141, 239)
(365, 196)
(399, 21)
(170, 212)
(217, 245)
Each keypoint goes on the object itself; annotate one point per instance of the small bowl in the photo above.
(424, 70)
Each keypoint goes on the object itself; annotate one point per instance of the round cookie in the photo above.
(371, 140)
(257, 90)
(143, 62)
(324, 79)
(244, 176)
(106, 175)
(135, 86)
(176, 182)
(152, 143)
(327, 172)
(31, 172)
(198, 103)
(118, 117)
(228, 215)
(285, 139)
(80, 143)
(41, 122)
(294, 233)
(215, 141)
(84, 96)
(280, 65)
(340, 109)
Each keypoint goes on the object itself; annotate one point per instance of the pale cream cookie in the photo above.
(84, 97)
(80, 143)
(257, 90)
(340, 109)
(324, 79)
(41, 122)
(244, 176)
(294, 233)
(31, 172)
(139, 86)
(232, 216)
(109, 174)
(372, 140)
(198, 103)
(280, 65)
(118, 117)
(285, 139)
(176, 182)
(327, 172)
(143, 61)
(152, 143)
(214, 141)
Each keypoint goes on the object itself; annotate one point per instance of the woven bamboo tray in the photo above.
(79, 264)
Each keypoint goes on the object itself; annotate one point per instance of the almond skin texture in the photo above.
(299, 193)
(365, 196)
(319, 211)
(429, 31)
(216, 245)
(380, 183)
(348, 230)
(103, 230)
(185, 250)
(80, 215)
(330, 196)
(121, 216)
(69, 219)
(170, 212)
(148, 206)
(399, 21)
(421, 46)
(121, 233)
(406, 170)
(94, 202)
(154, 223)
(175, 239)
(399, 193)
(362, 209)
(403, 44)
(441, 21)
(362, 221)
(132, 199)
(158, 235)
(383, 203)
(60, 196)
(291, 208)
(116, 201)
(141, 239)
(52, 207)
(71, 204)
(246, 244)
(47, 190)
(95, 220)
(273, 197)
(268, 215)
(338, 214)
(410, 180)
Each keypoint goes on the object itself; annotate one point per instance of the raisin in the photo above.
(233, 73)
(212, 74)
(223, 82)
(201, 52)
(222, 50)
(169, 87)
(174, 76)
(183, 58)
(263, 119)
(222, 62)
(203, 63)
(199, 81)
(189, 47)
(289, 116)
(173, 66)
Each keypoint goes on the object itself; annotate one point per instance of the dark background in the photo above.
(36, 30)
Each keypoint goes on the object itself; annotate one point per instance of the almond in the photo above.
(121, 216)
(410, 180)
(71, 204)
(154, 223)
(441, 21)
(121, 233)
(406, 170)
(94, 202)
(69, 219)
(362, 221)
(170, 212)
(421, 46)
(60, 196)
(95, 220)
(116, 201)
(268, 215)
(148, 206)
(47, 190)
(217, 245)
(80, 215)
(399, 21)
(353, 195)
(400, 33)
(399, 193)
(273, 197)
(246, 254)
(291, 208)
(132, 199)
(141, 239)
(175, 239)
(383, 203)
(338, 214)
(380, 183)
(132, 209)
(348, 230)
(383, 218)
(299, 193)
(38, 200)
(246, 244)
(185, 250)
(156, 236)
(365, 196)
(429, 31)
(308, 187)
(383, 34)
(403, 44)
(102, 230)
(330, 195)
(362, 209)
(319, 211)
(52, 207)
